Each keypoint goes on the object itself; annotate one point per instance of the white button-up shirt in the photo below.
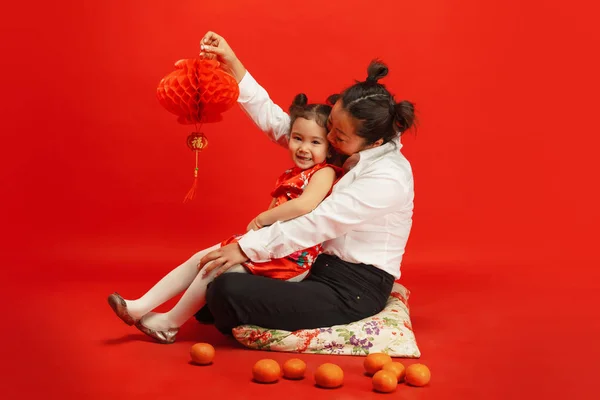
(366, 219)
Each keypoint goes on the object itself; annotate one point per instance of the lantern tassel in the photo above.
(192, 192)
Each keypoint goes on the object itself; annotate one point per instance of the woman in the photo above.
(364, 224)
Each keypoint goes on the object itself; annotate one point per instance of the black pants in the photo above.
(336, 292)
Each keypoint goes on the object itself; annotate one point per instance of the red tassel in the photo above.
(190, 195)
(192, 192)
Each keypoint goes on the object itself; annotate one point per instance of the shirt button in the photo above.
(357, 297)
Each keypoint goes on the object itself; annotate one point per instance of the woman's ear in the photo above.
(377, 143)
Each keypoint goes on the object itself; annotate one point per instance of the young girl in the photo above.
(297, 192)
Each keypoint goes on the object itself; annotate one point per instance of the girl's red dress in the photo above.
(289, 186)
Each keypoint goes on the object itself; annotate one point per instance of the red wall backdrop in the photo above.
(505, 159)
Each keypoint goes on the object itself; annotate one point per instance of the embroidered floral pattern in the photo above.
(390, 332)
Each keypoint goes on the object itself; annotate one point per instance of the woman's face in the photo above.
(342, 132)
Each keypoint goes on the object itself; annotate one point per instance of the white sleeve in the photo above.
(268, 116)
(371, 195)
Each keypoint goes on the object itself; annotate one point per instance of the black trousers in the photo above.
(336, 292)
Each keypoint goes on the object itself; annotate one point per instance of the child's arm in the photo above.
(273, 201)
(253, 226)
(316, 190)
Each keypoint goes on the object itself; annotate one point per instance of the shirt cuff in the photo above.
(248, 87)
(250, 244)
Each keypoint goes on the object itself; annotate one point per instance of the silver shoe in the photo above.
(164, 337)
(117, 303)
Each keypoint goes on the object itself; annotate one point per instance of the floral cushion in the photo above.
(389, 331)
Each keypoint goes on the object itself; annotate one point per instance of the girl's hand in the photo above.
(214, 46)
(253, 225)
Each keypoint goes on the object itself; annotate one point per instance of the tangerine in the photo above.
(294, 368)
(375, 361)
(329, 376)
(202, 353)
(417, 375)
(266, 371)
(397, 368)
(385, 381)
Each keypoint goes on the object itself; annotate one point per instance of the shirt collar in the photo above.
(372, 153)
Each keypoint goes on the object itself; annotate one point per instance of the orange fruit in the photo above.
(397, 368)
(417, 375)
(375, 361)
(294, 368)
(202, 353)
(266, 371)
(329, 376)
(385, 381)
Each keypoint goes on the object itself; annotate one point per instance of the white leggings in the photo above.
(186, 277)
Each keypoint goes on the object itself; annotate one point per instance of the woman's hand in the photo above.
(223, 259)
(214, 46)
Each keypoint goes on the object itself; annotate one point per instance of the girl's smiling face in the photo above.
(308, 143)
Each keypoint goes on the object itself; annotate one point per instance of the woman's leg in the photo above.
(193, 299)
(335, 293)
(249, 299)
(204, 315)
(168, 287)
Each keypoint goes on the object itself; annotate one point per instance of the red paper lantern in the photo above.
(197, 92)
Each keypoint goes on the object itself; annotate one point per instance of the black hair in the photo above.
(379, 116)
(315, 112)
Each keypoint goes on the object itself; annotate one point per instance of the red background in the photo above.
(501, 261)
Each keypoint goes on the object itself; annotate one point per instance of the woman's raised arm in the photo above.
(254, 99)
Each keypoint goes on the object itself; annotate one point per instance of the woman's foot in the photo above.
(158, 327)
(119, 306)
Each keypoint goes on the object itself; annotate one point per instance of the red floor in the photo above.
(483, 336)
